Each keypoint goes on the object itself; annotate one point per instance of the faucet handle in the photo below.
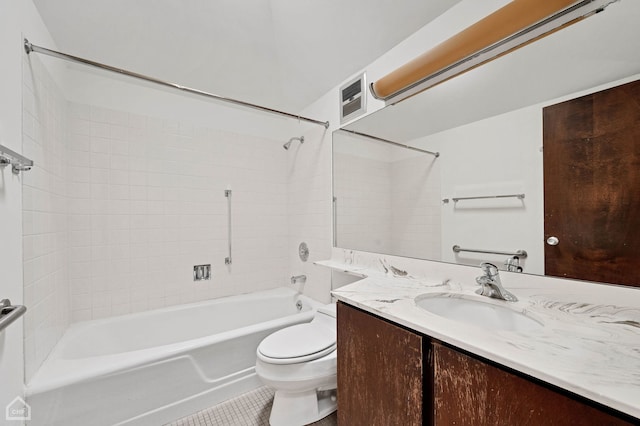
(489, 269)
(483, 280)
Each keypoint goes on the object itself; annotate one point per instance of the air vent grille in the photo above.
(352, 99)
(351, 107)
(351, 90)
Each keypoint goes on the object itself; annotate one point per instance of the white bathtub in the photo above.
(153, 367)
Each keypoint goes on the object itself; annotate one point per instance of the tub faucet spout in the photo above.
(298, 278)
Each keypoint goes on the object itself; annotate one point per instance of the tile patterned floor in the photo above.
(250, 409)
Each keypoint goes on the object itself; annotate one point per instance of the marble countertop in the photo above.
(589, 343)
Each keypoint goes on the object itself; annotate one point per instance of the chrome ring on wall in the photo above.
(303, 251)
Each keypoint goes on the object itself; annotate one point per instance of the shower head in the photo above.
(288, 144)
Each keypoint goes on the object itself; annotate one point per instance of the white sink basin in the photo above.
(479, 313)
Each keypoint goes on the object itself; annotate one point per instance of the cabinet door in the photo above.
(468, 391)
(379, 371)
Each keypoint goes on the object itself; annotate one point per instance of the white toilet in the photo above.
(299, 362)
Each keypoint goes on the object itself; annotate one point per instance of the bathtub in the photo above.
(153, 367)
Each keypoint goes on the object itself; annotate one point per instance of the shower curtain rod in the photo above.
(29, 47)
(435, 154)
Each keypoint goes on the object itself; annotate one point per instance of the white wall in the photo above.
(121, 93)
(363, 188)
(308, 179)
(146, 204)
(388, 198)
(19, 18)
(309, 208)
(44, 213)
(11, 362)
(496, 156)
(416, 207)
(147, 171)
(304, 174)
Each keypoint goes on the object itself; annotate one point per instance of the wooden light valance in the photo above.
(510, 27)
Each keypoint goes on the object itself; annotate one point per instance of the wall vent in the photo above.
(353, 100)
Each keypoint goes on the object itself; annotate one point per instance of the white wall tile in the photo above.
(47, 138)
(157, 207)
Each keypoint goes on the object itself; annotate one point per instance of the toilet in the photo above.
(299, 362)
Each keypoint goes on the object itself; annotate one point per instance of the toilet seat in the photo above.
(298, 343)
(300, 363)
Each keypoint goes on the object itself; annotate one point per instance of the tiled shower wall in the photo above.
(147, 203)
(119, 208)
(417, 208)
(363, 190)
(45, 226)
(309, 210)
(389, 206)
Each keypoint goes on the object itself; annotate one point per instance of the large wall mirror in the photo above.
(485, 190)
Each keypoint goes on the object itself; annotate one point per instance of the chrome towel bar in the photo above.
(520, 253)
(455, 200)
(9, 313)
(19, 163)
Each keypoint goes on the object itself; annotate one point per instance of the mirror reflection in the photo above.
(485, 191)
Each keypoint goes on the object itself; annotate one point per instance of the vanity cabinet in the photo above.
(465, 388)
(388, 375)
(380, 371)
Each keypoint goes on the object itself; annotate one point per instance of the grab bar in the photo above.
(520, 253)
(9, 313)
(335, 221)
(227, 193)
(455, 200)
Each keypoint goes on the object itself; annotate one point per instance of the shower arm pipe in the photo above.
(29, 47)
(424, 151)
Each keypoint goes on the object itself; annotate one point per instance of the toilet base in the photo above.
(302, 408)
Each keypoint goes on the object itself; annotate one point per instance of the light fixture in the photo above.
(518, 23)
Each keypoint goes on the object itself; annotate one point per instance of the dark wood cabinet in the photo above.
(380, 371)
(389, 375)
(467, 390)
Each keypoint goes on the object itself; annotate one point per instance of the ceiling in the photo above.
(278, 53)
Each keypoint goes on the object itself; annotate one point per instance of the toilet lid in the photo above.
(307, 341)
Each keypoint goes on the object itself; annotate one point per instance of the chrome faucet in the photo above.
(296, 278)
(490, 284)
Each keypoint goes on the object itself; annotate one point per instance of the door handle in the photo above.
(553, 241)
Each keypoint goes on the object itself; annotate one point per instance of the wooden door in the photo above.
(468, 391)
(379, 371)
(592, 186)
